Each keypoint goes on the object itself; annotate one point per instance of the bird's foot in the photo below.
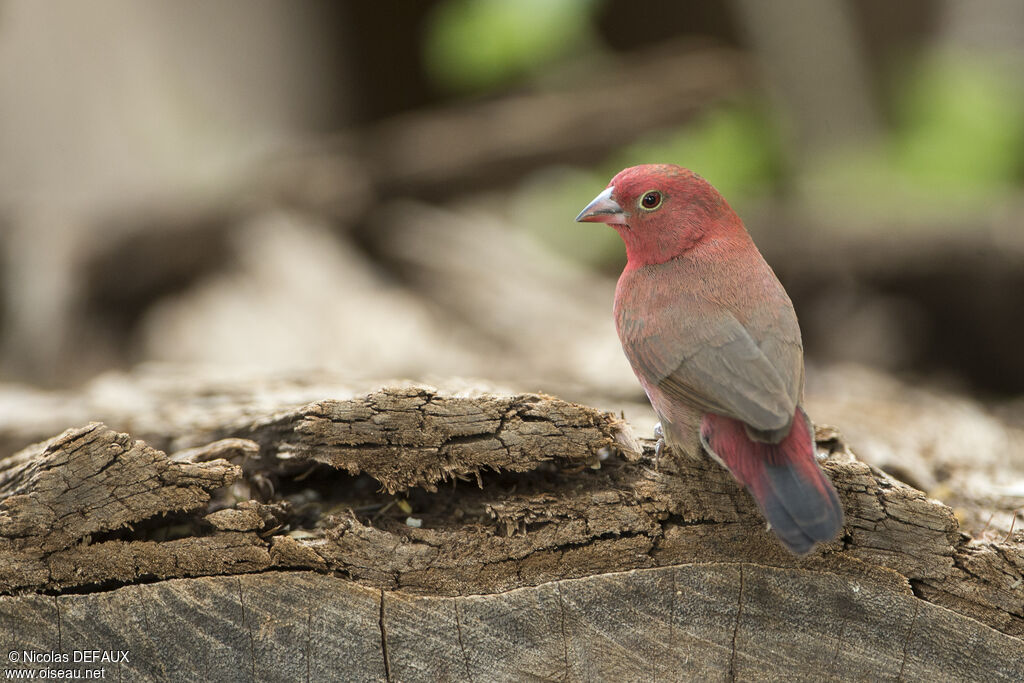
(659, 447)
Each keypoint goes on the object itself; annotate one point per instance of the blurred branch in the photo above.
(466, 147)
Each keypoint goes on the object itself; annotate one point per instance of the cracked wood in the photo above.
(619, 626)
(85, 512)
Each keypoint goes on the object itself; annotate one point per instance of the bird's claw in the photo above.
(659, 447)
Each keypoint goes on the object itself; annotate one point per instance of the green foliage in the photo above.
(478, 44)
(956, 149)
(962, 127)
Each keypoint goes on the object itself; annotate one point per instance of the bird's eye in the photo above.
(651, 200)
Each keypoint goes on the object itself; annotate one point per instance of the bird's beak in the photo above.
(603, 209)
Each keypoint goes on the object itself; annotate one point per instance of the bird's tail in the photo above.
(793, 493)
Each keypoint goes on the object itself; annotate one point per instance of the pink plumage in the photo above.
(713, 339)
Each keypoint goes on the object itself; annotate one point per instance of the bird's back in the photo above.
(682, 312)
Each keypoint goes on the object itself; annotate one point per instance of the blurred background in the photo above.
(387, 190)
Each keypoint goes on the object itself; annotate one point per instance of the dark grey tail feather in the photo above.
(801, 514)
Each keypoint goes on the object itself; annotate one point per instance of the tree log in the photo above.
(414, 534)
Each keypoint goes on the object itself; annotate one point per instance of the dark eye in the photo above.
(651, 200)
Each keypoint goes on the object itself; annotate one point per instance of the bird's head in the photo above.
(662, 211)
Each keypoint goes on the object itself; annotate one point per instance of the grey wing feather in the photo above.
(726, 373)
(734, 378)
(731, 376)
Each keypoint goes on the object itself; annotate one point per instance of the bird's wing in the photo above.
(711, 361)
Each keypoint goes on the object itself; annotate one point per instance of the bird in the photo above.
(714, 340)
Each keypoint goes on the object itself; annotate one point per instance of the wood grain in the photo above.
(690, 622)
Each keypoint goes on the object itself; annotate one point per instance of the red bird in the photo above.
(713, 339)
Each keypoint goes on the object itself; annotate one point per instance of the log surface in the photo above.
(689, 622)
(416, 534)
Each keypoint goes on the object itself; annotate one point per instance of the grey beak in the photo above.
(603, 209)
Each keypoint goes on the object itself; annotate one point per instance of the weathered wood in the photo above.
(91, 480)
(416, 437)
(480, 536)
(690, 622)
